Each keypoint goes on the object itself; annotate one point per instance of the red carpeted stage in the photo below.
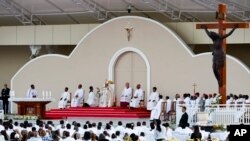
(114, 112)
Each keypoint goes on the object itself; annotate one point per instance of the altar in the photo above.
(31, 106)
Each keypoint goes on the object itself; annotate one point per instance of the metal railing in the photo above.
(219, 114)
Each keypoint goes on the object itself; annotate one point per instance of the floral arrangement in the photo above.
(110, 82)
(173, 139)
(215, 139)
(217, 99)
(25, 117)
(219, 127)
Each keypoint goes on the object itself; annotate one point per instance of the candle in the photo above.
(49, 94)
(43, 94)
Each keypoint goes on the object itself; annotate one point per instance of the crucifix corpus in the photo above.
(219, 46)
(129, 30)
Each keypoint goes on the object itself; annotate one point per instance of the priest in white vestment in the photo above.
(168, 104)
(106, 96)
(137, 97)
(32, 93)
(92, 100)
(153, 99)
(126, 96)
(78, 97)
(156, 111)
(64, 98)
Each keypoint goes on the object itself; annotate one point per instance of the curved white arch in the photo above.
(119, 53)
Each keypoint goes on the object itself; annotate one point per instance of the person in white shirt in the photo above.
(137, 97)
(126, 96)
(160, 131)
(120, 128)
(156, 112)
(64, 98)
(142, 137)
(78, 97)
(92, 100)
(247, 101)
(138, 128)
(32, 93)
(169, 131)
(150, 133)
(67, 136)
(153, 99)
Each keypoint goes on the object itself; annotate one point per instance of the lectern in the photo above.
(31, 106)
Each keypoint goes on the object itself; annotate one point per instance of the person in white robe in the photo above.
(64, 98)
(156, 111)
(153, 99)
(126, 96)
(78, 97)
(105, 96)
(168, 107)
(92, 100)
(193, 101)
(228, 102)
(32, 93)
(207, 101)
(186, 100)
(169, 104)
(137, 97)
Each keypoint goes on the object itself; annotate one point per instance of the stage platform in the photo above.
(97, 112)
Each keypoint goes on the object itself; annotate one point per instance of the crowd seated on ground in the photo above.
(87, 131)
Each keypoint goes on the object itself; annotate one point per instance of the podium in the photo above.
(31, 106)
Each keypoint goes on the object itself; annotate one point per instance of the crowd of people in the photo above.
(75, 131)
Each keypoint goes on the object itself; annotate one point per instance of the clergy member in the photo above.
(92, 100)
(156, 111)
(105, 96)
(126, 96)
(153, 99)
(64, 98)
(32, 92)
(168, 104)
(78, 97)
(137, 97)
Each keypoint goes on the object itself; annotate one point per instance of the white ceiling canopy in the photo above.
(33, 12)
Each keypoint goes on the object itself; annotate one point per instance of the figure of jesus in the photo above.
(218, 53)
(129, 30)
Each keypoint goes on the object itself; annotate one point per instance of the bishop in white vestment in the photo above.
(137, 97)
(126, 96)
(78, 97)
(105, 96)
(156, 111)
(31, 93)
(92, 100)
(153, 99)
(64, 98)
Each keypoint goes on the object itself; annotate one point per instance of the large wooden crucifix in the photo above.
(222, 26)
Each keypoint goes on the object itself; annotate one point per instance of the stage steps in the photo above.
(115, 112)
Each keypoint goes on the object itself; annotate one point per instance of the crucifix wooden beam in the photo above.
(222, 26)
